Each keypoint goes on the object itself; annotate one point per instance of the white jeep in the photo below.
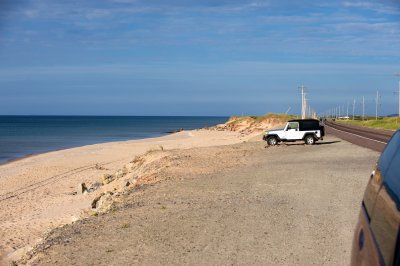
(308, 130)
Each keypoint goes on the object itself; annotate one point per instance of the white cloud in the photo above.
(98, 13)
(373, 6)
(123, 1)
(165, 70)
(31, 13)
(124, 24)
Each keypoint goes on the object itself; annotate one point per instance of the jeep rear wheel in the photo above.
(309, 140)
(272, 141)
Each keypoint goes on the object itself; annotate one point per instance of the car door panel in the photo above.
(385, 225)
(385, 215)
(364, 249)
(371, 192)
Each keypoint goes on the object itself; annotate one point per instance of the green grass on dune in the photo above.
(257, 119)
(389, 123)
(277, 116)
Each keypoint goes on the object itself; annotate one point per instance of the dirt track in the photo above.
(283, 205)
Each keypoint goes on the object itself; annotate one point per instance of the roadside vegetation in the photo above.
(389, 123)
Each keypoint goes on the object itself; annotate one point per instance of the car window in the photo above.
(389, 152)
(293, 125)
(309, 125)
(391, 174)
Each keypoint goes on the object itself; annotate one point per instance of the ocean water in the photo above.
(25, 135)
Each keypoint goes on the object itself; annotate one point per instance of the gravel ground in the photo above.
(286, 205)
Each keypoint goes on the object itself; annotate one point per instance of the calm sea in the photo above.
(25, 135)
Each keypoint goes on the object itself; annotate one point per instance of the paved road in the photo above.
(286, 205)
(374, 139)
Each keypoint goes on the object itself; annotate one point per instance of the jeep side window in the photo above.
(309, 125)
(293, 125)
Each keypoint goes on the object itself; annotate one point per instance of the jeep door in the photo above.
(292, 131)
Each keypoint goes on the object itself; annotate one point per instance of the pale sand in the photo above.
(35, 192)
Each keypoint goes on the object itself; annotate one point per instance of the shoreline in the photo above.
(19, 158)
(48, 182)
(163, 134)
(84, 145)
(22, 136)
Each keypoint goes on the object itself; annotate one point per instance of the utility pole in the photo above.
(309, 109)
(398, 75)
(363, 104)
(376, 105)
(305, 105)
(303, 102)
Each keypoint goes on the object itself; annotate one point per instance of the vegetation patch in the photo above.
(254, 124)
(388, 123)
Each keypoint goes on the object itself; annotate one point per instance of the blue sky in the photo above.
(181, 57)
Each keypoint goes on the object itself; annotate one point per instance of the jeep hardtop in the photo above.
(308, 130)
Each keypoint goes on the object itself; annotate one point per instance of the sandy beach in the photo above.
(40, 192)
(223, 183)
(238, 204)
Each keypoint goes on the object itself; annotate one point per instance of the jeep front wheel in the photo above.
(309, 140)
(272, 141)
